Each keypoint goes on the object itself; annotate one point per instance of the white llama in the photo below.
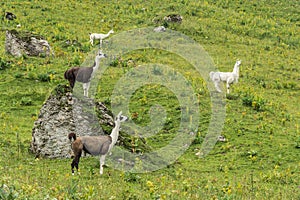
(99, 36)
(228, 77)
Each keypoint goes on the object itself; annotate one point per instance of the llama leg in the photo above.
(75, 162)
(87, 89)
(102, 161)
(72, 83)
(217, 86)
(85, 86)
(229, 81)
(227, 85)
(72, 166)
(91, 41)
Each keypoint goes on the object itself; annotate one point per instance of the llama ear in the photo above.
(118, 116)
(120, 113)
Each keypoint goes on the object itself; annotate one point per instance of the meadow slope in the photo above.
(259, 160)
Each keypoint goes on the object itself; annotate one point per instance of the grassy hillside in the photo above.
(259, 160)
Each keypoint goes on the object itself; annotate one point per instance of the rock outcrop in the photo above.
(25, 43)
(61, 114)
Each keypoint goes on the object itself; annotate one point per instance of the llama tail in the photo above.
(72, 136)
(71, 75)
(66, 74)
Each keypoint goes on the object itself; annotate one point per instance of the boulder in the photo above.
(25, 43)
(63, 113)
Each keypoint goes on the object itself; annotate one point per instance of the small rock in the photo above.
(10, 16)
(173, 18)
(160, 29)
(221, 138)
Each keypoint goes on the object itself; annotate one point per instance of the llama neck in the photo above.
(96, 64)
(115, 133)
(236, 69)
(106, 35)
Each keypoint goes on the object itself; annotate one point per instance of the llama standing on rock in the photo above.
(99, 36)
(83, 74)
(96, 145)
(228, 77)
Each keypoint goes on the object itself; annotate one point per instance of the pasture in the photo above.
(260, 158)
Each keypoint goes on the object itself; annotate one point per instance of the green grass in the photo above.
(260, 159)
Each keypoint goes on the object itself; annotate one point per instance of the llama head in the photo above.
(238, 62)
(72, 136)
(100, 55)
(120, 117)
(111, 31)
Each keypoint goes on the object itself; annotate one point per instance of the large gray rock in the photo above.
(61, 114)
(20, 43)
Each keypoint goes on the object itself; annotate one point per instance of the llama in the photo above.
(95, 145)
(99, 36)
(83, 74)
(228, 77)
